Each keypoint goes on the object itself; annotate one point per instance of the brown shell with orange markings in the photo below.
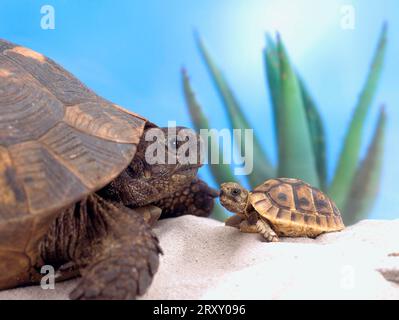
(59, 142)
(294, 208)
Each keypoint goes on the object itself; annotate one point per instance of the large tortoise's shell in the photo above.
(59, 141)
(294, 207)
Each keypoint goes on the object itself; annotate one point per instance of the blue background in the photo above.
(131, 52)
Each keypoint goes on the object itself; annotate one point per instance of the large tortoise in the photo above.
(281, 207)
(72, 170)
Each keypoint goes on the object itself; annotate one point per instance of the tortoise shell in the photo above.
(59, 141)
(294, 208)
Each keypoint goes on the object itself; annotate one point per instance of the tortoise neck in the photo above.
(248, 206)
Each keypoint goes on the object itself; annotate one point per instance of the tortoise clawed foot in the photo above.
(117, 278)
(248, 228)
(266, 231)
(271, 238)
(196, 199)
(120, 266)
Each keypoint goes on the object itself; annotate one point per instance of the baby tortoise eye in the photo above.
(235, 192)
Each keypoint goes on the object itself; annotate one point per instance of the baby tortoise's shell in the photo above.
(294, 208)
(59, 142)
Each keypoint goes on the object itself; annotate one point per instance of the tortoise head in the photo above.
(166, 161)
(233, 197)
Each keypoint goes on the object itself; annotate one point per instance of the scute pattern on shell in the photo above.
(59, 141)
(294, 203)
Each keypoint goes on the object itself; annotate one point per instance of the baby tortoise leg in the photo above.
(234, 221)
(114, 248)
(252, 224)
(196, 199)
(240, 223)
(266, 231)
(249, 224)
(248, 228)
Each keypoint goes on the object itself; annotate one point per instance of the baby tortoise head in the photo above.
(233, 197)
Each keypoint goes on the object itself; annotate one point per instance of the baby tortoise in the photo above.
(281, 207)
(75, 186)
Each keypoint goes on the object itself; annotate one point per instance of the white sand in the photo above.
(205, 259)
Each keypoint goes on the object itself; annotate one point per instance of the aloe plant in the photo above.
(365, 184)
(261, 162)
(296, 156)
(220, 171)
(300, 132)
(350, 152)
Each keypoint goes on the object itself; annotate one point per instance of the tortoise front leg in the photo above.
(260, 226)
(266, 231)
(255, 223)
(248, 228)
(196, 199)
(252, 224)
(234, 221)
(241, 223)
(112, 245)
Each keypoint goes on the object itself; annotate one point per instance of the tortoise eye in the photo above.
(173, 143)
(236, 192)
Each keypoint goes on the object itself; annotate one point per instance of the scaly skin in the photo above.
(114, 249)
(196, 199)
(108, 242)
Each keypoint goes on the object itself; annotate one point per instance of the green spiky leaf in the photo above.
(221, 172)
(262, 168)
(365, 185)
(349, 157)
(315, 123)
(317, 134)
(295, 147)
(272, 69)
